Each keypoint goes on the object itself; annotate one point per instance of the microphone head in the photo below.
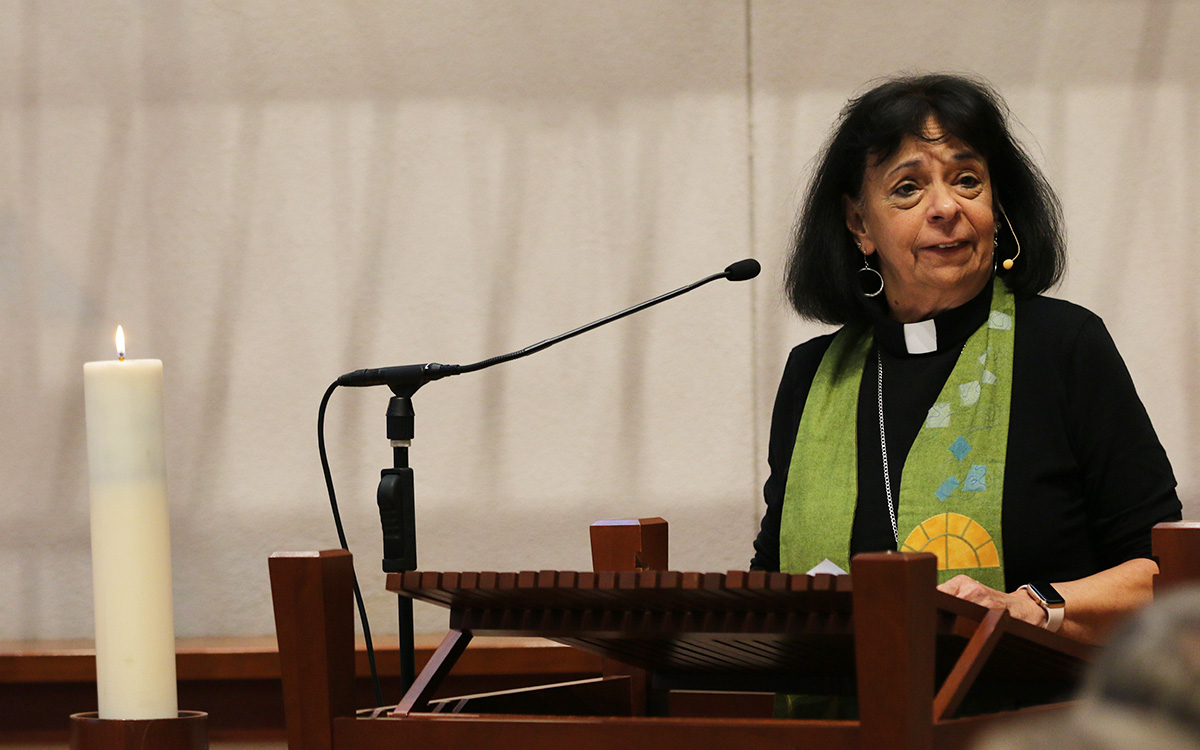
(743, 270)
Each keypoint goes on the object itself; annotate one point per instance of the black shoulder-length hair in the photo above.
(822, 278)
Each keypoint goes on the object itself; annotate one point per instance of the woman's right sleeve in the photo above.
(785, 419)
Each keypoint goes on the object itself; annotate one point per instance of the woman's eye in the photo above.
(970, 181)
(906, 189)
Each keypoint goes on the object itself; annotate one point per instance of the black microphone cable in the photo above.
(341, 532)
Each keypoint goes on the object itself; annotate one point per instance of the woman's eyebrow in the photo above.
(905, 165)
(966, 155)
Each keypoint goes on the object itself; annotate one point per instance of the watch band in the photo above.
(1049, 600)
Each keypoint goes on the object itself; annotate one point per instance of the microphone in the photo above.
(743, 270)
(410, 377)
(1008, 262)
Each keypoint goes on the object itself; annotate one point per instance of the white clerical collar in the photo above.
(920, 338)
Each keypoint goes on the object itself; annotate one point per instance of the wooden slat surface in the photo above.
(684, 625)
(676, 623)
(666, 592)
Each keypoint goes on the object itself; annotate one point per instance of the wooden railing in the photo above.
(237, 680)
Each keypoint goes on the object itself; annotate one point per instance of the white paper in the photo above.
(825, 566)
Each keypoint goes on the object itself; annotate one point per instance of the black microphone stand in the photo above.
(397, 516)
(396, 499)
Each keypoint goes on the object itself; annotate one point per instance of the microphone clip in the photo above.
(404, 380)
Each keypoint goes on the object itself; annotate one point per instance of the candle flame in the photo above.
(120, 343)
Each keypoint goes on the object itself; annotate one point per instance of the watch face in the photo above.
(1047, 594)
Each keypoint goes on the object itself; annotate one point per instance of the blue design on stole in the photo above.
(976, 479)
(947, 487)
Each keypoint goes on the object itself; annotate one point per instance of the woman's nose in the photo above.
(943, 204)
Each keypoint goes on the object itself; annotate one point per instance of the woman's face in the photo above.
(927, 212)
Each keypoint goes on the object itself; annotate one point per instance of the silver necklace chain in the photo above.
(887, 478)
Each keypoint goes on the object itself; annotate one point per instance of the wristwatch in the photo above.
(1049, 600)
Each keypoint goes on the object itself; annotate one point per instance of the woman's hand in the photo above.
(1019, 603)
(1094, 604)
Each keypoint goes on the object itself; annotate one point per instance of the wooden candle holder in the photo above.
(188, 731)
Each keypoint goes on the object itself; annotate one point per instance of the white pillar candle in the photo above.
(131, 539)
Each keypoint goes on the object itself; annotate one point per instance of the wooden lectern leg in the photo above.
(314, 623)
(970, 663)
(894, 641)
(623, 546)
(440, 664)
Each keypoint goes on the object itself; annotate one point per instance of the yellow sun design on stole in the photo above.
(959, 542)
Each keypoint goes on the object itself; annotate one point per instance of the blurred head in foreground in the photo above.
(1142, 692)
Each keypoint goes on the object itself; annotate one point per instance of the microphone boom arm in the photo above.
(547, 343)
(406, 379)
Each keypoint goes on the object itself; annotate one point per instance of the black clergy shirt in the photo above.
(1085, 475)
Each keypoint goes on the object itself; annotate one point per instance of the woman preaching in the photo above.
(956, 411)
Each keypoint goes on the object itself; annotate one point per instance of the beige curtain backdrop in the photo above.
(268, 194)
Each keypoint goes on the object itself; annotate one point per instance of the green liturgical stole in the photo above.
(950, 492)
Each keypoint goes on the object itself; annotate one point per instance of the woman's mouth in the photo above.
(948, 245)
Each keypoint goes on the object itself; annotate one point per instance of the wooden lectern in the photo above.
(910, 654)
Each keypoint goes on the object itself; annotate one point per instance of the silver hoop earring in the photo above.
(864, 280)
